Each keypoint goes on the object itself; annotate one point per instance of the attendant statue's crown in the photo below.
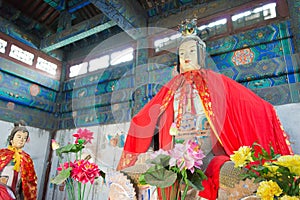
(189, 27)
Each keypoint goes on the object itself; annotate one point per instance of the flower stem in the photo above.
(163, 194)
(70, 189)
(83, 192)
(178, 191)
(89, 191)
(79, 191)
(185, 191)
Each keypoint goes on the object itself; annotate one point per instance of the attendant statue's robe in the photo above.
(27, 172)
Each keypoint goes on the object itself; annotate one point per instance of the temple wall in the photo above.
(289, 114)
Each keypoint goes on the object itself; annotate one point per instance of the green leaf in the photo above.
(142, 180)
(69, 148)
(160, 177)
(62, 176)
(81, 141)
(161, 159)
(195, 179)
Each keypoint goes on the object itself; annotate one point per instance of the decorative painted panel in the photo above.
(26, 93)
(110, 117)
(104, 99)
(270, 68)
(11, 112)
(262, 35)
(266, 82)
(100, 98)
(294, 6)
(162, 61)
(28, 74)
(248, 55)
(276, 95)
(111, 73)
(160, 76)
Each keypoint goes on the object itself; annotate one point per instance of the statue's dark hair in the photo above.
(18, 126)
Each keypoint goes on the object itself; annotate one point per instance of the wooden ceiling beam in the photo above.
(128, 14)
(76, 33)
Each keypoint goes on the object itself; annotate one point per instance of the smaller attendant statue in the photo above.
(18, 179)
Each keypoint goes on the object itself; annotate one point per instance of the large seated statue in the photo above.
(216, 111)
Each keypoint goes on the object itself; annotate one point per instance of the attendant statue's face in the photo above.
(188, 56)
(19, 139)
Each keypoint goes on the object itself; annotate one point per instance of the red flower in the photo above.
(84, 171)
(84, 134)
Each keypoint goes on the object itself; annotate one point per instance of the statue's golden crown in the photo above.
(188, 27)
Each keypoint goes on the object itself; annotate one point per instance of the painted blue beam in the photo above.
(128, 15)
(75, 33)
(78, 6)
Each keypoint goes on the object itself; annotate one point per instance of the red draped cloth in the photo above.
(28, 176)
(4, 194)
(237, 117)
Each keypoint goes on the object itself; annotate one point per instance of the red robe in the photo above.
(28, 176)
(237, 117)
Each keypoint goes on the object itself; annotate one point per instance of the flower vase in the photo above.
(169, 193)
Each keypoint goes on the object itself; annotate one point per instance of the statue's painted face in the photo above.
(19, 139)
(188, 56)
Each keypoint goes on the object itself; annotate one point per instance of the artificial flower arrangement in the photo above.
(176, 167)
(278, 176)
(75, 171)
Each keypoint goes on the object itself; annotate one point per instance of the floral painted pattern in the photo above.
(243, 56)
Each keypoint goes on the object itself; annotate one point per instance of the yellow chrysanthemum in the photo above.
(268, 189)
(272, 170)
(290, 161)
(241, 157)
(286, 197)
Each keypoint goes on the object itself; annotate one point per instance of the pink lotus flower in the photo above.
(194, 151)
(84, 171)
(187, 156)
(84, 134)
(178, 165)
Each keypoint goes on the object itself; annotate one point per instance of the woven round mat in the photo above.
(229, 175)
(135, 171)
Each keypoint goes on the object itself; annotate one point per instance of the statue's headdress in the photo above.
(189, 27)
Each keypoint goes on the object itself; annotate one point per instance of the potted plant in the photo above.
(171, 170)
(278, 175)
(75, 171)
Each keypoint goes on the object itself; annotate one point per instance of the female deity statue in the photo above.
(210, 107)
(17, 175)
